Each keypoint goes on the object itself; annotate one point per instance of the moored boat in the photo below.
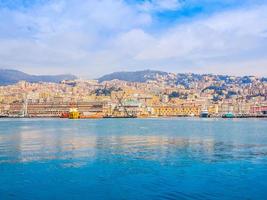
(228, 115)
(74, 113)
(91, 116)
(64, 115)
(120, 117)
(204, 114)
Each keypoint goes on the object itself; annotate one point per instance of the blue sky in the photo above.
(93, 37)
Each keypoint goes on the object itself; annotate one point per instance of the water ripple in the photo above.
(105, 158)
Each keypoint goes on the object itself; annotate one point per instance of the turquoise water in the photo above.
(133, 159)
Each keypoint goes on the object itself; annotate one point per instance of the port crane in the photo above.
(126, 113)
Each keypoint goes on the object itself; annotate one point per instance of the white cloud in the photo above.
(94, 37)
(64, 34)
(226, 32)
(237, 36)
(160, 5)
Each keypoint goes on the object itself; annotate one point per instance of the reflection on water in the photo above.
(133, 159)
(31, 144)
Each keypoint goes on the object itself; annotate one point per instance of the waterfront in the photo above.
(174, 158)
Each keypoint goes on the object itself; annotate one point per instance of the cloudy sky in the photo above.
(93, 37)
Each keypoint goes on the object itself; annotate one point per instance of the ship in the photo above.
(86, 115)
(120, 117)
(74, 114)
(228, 115)
(65, 115)
(204, 114)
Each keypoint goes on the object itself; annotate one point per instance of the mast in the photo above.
(25, 106)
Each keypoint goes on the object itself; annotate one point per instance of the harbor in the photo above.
(118, 112)
(123, 106)
(106, 159)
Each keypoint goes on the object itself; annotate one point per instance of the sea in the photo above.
(146, 159)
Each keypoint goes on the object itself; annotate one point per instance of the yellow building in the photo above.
(167, 110)
(191, 109)
(179, 110)
(149, 100)
(44, 95)
(213, 109)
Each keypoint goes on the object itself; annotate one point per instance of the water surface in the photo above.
(182, 158)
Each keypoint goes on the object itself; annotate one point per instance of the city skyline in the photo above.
(92, 38)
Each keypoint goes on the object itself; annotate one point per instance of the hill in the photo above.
(137, 76)
(185, 79)
(8, 77)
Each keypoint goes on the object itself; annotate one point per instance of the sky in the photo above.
(90, 38)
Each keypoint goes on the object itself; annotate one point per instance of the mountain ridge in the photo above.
(132, 76)
(11, 76)
(184, 79)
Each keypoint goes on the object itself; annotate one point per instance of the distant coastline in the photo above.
(139, 94)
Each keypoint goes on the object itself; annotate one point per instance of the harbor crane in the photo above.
(119, 106)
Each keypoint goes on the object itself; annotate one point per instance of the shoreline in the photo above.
(152, 117)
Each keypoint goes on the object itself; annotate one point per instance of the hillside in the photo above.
(8, 77)
(185, 79)
(137, 76)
